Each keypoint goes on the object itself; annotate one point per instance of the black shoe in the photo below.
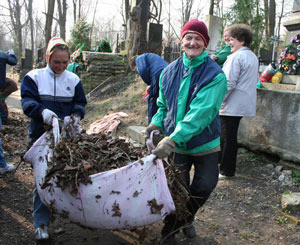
(189, 231)
(169, 240)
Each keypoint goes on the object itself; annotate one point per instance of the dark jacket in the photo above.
(5, 59)
(149, 66)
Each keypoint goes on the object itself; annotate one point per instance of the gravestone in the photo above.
(26, 63)
(27, 60)
(154, 38)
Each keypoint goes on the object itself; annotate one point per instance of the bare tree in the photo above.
(62, 13)
(155, 11)
(135, 29)
(170, 32)
(211, 7)
(186, 8)
(272, 16)
(49, 20)
(270, 7)
(14, 8)
(93, 21)
(125, 11)
(76, 10)
(30, 17)
(266, 8)
(280, 18)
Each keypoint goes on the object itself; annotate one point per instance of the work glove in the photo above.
(67, 121)
(164, 148)
(11, 52)
(48, 116)
(71, 126)
(76, 120)
(149, 129)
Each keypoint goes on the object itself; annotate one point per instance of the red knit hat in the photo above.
(198, 27)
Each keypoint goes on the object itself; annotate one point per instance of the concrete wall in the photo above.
(276, 127)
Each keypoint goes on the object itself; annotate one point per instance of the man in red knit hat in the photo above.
(192, 89)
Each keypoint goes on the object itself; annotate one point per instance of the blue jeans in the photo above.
(41, 213)
(3, 163)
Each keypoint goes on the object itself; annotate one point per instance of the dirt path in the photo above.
(243, 210)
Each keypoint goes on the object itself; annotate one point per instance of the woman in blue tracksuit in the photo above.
(149, 66)
(47, 93)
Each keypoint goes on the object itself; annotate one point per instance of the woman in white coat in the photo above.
(241, 70)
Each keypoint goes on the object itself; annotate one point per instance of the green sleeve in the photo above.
(203, 109)
(161, 113)
(222, 54)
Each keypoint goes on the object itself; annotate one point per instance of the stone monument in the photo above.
(214, 27)
(293, 24)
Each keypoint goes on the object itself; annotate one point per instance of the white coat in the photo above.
(241, 70)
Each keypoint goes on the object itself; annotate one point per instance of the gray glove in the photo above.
(164, 148)
(149, 129)
(48, 116)
(76, 119)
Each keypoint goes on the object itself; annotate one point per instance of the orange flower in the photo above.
(291, 57)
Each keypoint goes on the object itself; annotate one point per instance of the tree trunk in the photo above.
(186, 8)
(49, 19)
(92, 27)
(62, 13)
(74, 10)
(29, 11)
(144, 18)
(272, 16)
(127, 12)
(266, 6)
(279, 20)
(79, 9)
(211, 7)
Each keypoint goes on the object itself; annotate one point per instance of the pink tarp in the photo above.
(107, 124)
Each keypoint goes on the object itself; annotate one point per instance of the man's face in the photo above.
(235, 44)
(193, 45)
(59, 61)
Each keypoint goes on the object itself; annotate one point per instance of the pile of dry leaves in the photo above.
(74, 159)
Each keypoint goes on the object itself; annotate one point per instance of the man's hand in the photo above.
(214, 57)
(164, 148)
(149, 129)
(48, 116)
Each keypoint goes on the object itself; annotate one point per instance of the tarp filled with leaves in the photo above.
(135, 194)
